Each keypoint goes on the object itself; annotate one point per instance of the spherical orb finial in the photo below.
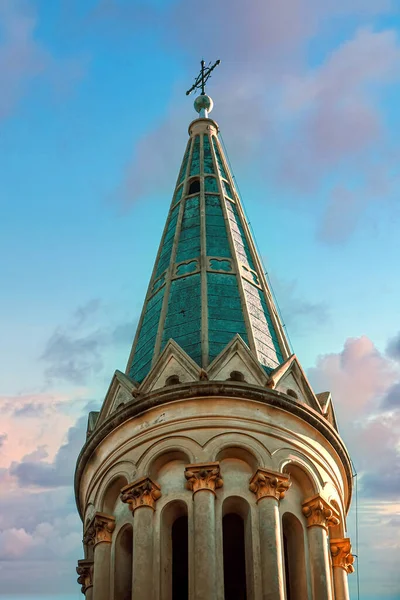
(203, 103)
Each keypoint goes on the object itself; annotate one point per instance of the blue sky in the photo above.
(93, 125)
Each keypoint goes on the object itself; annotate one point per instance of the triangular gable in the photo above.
(173, 362)
(236, 357)
(121, 390)
(325, 400)
(290, 379)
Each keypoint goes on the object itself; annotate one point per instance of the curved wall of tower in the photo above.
(204, 450)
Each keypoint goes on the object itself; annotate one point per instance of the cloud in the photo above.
(23, 59)
(338, 125)
(365, 387)
(393, 347)
(50, 531)
(391, 399)
(73, 359)
(341, 215)
(30, 409)
(320, 122)
(86, 311)
(76, 352)
(299, 314)
(14, 543)
(362, 381)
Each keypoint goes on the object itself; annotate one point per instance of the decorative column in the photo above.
(85, 579)
(342, 563)
(320, 515)
(269, 488)
(99, 535)
(203, 479)
(141, 497)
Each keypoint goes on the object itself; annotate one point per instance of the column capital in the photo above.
(203, 476)
(341, 554)
(269, 484)
(85, 572)
(100, 529)
(319, 513)
(142, 492)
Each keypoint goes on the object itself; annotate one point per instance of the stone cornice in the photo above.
(269, 484)
(226, 389)
(319, 513)
(203, 476)
(341, 554)
(142, 492)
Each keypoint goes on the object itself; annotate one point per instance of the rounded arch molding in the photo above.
(158, 453)
(124, 470)
(285, 458)
(219, 445)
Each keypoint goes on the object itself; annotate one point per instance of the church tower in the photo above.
(212, 471)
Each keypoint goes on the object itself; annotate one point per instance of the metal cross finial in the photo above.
(203, 77)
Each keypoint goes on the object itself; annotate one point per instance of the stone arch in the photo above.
(337, 531)
(89, 513)
(240, 453)
(172, 513)
(240, 509)
(123, 563)
(112, 493)
(294, 544)
(301, 467)
(181, 446)
(240, 444)
(123, 468)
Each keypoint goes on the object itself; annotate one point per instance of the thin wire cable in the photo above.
(355, 477)
(257, 247)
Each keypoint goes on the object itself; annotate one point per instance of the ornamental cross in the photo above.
(203, 77)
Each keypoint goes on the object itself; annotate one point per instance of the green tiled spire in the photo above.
(208, 283)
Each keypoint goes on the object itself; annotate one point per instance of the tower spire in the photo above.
(208, 284)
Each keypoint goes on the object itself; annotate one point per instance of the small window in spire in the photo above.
(172, 380)
(236, 376)
(194, 187)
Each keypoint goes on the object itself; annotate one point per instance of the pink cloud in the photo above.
(14, 543)
(43, 425)
(360, 379)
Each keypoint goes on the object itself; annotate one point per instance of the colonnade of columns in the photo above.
(203, 480)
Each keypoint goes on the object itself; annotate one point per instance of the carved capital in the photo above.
(320, 513)
(203, 476)
(99, 529)
(142, 492)
(266, 484)
(341, 554)
(85, 572)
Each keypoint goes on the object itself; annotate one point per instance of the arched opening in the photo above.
(180, 559)
(172, 380)
(234, 557)
(194, 186)
(123, 564)
(295, 564)
(236, 376)
(175, 552)
(112, 493)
